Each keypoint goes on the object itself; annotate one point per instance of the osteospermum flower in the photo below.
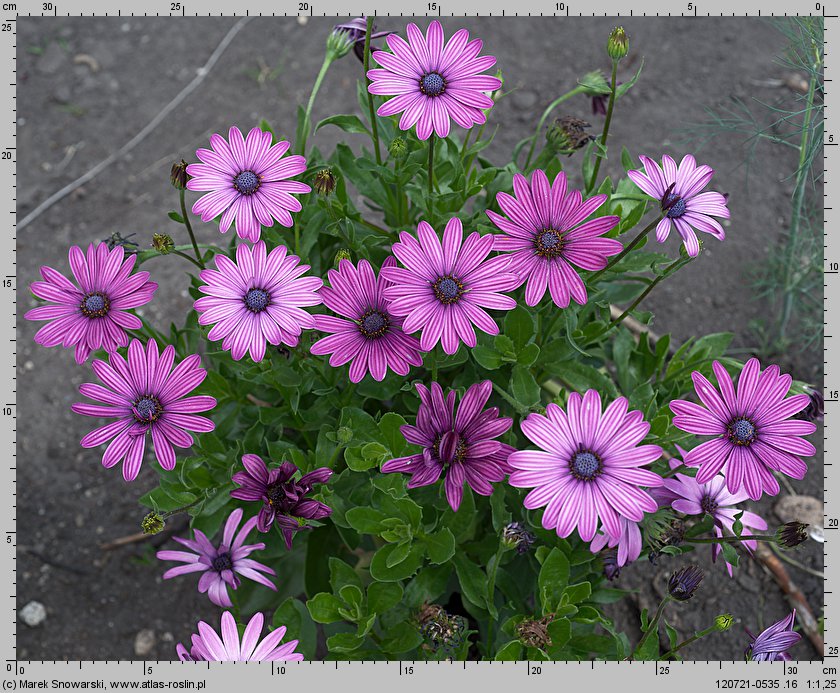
(257, 299)
(247, 180)
(628, 544)
(771, 644)
(207, 646)
(459, 444)
(589, 466)
(754, 433)
(92, 315)
(284, 498)
(713, 499)
(432, 83)
(443, 290)
(372, 337)
(145, 395)
(546, 237)
(220, 566)
(677, 189)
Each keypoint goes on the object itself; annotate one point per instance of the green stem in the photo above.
(468, 165)
(198, 264)
(373, 125)
(638, 239)
(693, 638)
(554, 104)
(374, 227)
(605, 132)
(642, 296)
(653, 626)
(187, 223)
(431, 173)
(510, 399)
(491, 591)
(678, 470)
(307, 119)
(798, 200)
(467, 141)
(733, 540)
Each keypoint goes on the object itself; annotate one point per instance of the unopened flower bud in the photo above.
(163, 243)
(618, 44)
(398, 148)
(152, 523)
(724, 622)
(515, 536)
(343, 435)
(342, 254)
(178, 177)
(324, 182)
(684, 583)
(340, 42)
(791, 534)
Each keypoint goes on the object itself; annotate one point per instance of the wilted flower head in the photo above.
(568, 134)
(442, 631)
(772, 643)
(684, 583)
(791, 534)
(534, 632)
(152, 523)
(178, 176)
(618, 44)
(117, 239)
(351, 34)
(324, 182)
(284, 498)
(515, 536)
(163, 243)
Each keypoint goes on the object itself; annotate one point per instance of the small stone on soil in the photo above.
(33, 614)
(144, 642)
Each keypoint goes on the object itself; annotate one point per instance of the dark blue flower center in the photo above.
(222, 562)
(673, 205)
(741, 431)
(448, 289)
(549, 243)
(432, 84)
(708, 504)
(147, 409)
(585, 465)
(257, 300)
(95, 305)
(247, 182)
(373, 324)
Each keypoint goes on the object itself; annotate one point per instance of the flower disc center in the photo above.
(432, 84)
(741, 431)
(373, 324)
(586, 465)
(222, 562)
(247, 182)
(448, 290)
(257, 300)
(673, 205)
(549, 243)
(147, 409)
(95, 305)
(708, 504)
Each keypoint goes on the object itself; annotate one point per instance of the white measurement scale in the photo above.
(683, 677)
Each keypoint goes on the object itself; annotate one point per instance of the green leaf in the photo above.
(383, 596)
(486, 357)
(352, 595)
(348, 123)
(553, 578)
(299, 626)
(673, 636)
(528, 354)
(398, 555)
(342, 574)
(381, 571)
(509, 652)
(500, 514)
(649, 650)
(365, 520)
(324, 607)
(440, 546)
(519, 326)
(344, 642)
(390, 424)
(560, 632)
(524, 387)
(626, 160)
(473, 580)
(176, 217)
(403, 637)
(623, 88)
(575, 594)
(730, 555)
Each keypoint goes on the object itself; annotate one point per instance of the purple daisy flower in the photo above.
(220, 566)
(754, 433)
(462, 443)
(772, 643)
(93, 314)
(372, 338)
(247, 182)
(546, 236)
(589, 466)
(432, 83)
(257, 299)
(145, 395)
(443, 290)
(284, 498)
(207, 646)
(628, 542)
(678, 192)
